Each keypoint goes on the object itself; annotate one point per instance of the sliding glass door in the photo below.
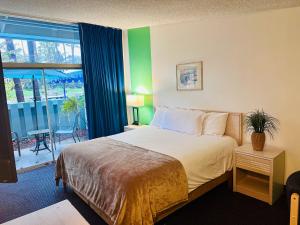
(27, 106)
(46, 110)
(67, 107)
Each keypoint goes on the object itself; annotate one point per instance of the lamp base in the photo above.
(135, 111)
(136, 123)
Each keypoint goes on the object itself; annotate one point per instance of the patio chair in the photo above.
(15, 139)
(71, 131)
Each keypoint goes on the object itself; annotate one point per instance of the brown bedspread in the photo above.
(128, 184)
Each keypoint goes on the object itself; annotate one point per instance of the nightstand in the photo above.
(259, 174)
(132, 127)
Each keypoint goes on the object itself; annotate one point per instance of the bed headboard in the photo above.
(234, 126)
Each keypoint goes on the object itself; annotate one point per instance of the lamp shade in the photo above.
(135, 100)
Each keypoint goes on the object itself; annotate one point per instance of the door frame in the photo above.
(8, 173)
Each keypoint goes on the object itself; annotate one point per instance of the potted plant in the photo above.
(258, 123)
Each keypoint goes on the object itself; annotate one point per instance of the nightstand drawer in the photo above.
(253, 163)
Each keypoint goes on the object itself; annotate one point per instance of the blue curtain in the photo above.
(102, 64)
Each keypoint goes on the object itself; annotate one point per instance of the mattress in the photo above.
(204, 157)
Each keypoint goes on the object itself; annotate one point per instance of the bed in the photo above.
(143, 175)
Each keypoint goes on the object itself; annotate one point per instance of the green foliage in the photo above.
(260, 122)
(72, 104)
(9, 89)
(81, 102)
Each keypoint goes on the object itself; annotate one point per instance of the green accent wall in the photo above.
(139, 47)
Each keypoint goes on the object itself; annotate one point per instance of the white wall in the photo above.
(127, 80)
(250, 61)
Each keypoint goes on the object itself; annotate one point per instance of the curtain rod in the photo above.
(40, 66)
(44, 19)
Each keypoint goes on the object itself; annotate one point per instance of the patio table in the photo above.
(40, 137)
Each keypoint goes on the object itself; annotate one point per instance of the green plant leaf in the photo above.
(72, 104)
(260, 122)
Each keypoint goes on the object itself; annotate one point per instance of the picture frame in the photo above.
(189, 76)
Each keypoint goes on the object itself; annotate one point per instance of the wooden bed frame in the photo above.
(234, 130)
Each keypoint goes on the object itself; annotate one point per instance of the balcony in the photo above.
(26, 116)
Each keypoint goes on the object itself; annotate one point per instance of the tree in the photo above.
(32, 51)
(58, 55)
(17, 81)
(9, 89)
(72, 49)
(4, 53)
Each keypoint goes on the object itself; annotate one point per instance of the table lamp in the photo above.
(135, 101)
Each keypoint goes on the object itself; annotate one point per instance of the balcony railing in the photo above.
(23, 116)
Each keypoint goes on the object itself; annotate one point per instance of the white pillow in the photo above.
(158, 117)
(183, 120)
(215, 123)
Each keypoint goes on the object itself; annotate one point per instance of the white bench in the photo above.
(62, 213)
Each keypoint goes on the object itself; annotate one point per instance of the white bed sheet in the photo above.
(203, 157)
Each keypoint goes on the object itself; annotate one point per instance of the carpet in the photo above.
(36, 189)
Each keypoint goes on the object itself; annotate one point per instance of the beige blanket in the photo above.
(128, 184)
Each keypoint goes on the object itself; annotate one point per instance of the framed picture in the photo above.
(189, 76)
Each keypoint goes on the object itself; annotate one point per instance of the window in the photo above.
(44, 87)
(29, 41)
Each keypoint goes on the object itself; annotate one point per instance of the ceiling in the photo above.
(136, 13)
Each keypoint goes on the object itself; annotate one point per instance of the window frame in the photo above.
(13, 65)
